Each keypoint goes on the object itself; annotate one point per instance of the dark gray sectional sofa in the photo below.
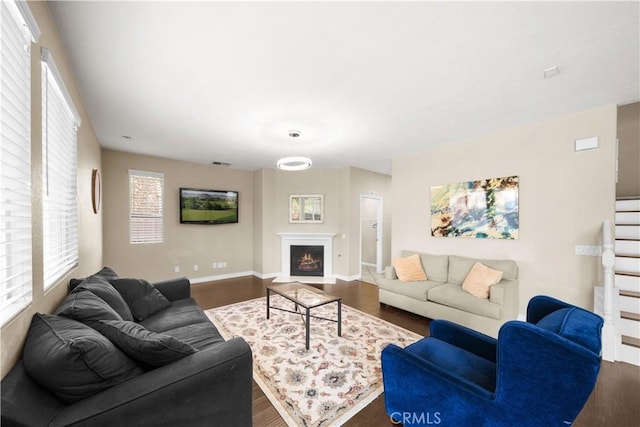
(154, 360)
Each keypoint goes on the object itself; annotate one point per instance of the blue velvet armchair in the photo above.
(537, 373)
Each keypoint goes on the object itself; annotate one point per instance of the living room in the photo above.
(566, 195)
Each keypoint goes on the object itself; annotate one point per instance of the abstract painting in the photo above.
(486, 209)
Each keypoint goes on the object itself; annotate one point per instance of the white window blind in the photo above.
(18, 30)
(60, 122)
(146, 194)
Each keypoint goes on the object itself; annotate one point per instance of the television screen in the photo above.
(199, 206)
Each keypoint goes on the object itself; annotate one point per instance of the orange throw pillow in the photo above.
(480, 279)
(409, 269)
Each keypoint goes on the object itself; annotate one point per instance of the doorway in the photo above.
(371, 237)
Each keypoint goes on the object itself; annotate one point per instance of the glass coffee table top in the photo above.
(305, 295)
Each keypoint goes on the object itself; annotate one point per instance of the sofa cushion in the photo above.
(570, 323)
(103, 289)
(457, 361)
(142, 298)
(181, 313)
(105, 273)
(459, 268)
(553, 321)
(436, 267)
(454, 296)
(409, 269)
(199, 335)
(72, 360)
(416, 290)
(84, 306)
(480, 279)
(144, 346)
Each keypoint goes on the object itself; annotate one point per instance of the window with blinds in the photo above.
(60, 122)
(146, 199)
(18, 30)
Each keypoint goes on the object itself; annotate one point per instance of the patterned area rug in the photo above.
(325, 385)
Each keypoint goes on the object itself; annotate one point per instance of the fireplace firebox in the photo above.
(307, 260)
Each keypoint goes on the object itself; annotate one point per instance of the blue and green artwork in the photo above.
(486, 209)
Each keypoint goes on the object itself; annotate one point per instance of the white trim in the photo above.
(146, 173)
(319, 239)
(47, 58)
(195, 280)
(24, 10)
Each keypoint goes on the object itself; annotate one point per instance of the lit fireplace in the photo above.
(307, 260)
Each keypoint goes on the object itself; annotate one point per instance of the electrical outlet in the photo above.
(214, 265)
(195, 267)
(176, 269)
(588, 250)
(222, 264)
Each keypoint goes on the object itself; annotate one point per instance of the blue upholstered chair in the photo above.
(537, 373)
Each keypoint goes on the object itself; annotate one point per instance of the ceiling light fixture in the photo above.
(294, 163)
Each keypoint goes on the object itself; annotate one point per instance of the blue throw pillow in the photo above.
(143, 345)
(143, 299)
(553, 321)
(584, 328)
(72, 360)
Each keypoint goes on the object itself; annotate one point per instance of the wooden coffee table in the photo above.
(307, 297)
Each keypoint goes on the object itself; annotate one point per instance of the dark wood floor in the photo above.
(614, 402)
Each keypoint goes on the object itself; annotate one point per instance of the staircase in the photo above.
(627, 280)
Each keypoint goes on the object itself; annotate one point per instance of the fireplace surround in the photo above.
(324, 240)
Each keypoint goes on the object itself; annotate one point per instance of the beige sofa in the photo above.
(442, 296)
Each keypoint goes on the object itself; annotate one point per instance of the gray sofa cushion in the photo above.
(181, 313)
(142, 298)
(199, 335)
(459, 267)
(436, 266)
(144, 346)
(84, 306)
(454, 296)
(417, 290)
(103, 289)
(105, 273)
(72, 360)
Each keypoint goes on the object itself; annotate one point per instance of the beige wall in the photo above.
(185, 245)
(628, 151)
(564, 198)
(341, 189)
(90, 224)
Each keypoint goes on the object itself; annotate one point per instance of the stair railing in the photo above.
(610, 345)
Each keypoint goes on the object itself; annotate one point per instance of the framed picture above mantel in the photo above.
(306, 209)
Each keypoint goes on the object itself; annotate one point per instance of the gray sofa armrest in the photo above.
(174, 289)
(210, 387)
(506, 293)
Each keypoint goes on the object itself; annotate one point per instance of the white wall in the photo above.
(564, 198)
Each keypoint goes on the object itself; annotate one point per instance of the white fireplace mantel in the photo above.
(306, 239)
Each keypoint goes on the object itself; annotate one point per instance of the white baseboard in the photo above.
(221, 277)
(276, 276)
(314, 280)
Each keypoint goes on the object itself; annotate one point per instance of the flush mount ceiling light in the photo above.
(294, 163)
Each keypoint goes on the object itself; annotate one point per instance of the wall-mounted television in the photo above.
(198, 206)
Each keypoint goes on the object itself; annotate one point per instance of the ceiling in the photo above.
(363, 82)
